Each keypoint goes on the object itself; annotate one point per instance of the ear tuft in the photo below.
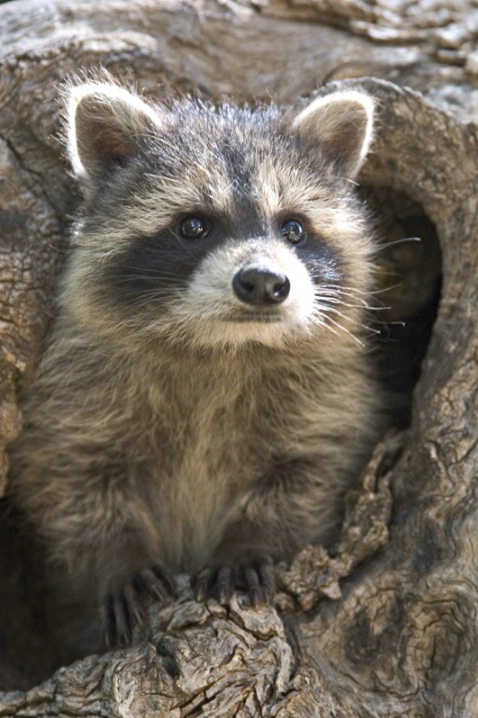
(342, 123)
(104, 124)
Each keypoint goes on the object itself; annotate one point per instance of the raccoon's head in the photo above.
(218, 225)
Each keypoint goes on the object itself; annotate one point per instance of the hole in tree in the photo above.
(409, 270)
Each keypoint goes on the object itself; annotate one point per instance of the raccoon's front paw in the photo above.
(125, 608)
(254, 574)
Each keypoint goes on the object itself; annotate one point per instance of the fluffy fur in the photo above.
(170, 424)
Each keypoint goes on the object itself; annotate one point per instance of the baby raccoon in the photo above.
(205, 399)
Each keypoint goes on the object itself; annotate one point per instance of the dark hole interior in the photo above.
(408, 292)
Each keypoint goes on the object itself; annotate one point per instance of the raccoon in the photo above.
(205, 397)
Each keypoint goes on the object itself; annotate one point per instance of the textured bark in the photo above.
(387, 626)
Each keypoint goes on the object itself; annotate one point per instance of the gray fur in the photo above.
(167, 423)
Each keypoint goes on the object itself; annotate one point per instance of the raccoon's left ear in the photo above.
(105, 125)
(342, 123)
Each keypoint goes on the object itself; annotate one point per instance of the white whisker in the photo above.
(344, 329)
(386, 245)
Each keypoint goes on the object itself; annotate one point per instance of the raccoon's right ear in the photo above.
(342, 123)
(104, 124)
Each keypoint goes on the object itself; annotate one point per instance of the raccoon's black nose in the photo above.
(254, 285)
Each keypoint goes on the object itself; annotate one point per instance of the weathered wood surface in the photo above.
(388, 625)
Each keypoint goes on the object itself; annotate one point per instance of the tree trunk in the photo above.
(387, 625)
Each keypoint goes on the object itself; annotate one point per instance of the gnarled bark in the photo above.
(387, 625)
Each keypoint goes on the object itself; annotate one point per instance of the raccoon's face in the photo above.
(220, 226)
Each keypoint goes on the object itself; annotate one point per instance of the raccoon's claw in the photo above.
(122, 610)
(253, 575)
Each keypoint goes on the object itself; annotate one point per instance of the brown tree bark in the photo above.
(387, 625)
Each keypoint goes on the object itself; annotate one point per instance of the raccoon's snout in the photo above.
(256, 285)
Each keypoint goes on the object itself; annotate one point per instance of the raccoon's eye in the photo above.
(293, 231)
(194, 227)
